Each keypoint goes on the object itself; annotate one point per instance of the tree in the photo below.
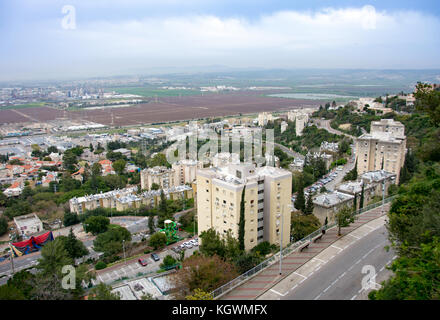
(202, 272)
(155, 186)
(309, 205)
(416, 275)
(70, 219)
(53, 258)
(355, 202)
(96, 169)
(103, 292)
(96, 224)
(151, 226)
(303, 225)
(22, 280)
(119, 166)
(168, 261)
(74, 247)
(361, 202)
(200, 295)
(212, 244)
(8, 292)
(163, 206)
(110, 242)
(300, 202)
(428, 100)
(158, 240)
(3, 225)
(241, 223)
(343, 218)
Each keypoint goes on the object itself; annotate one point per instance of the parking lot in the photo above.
(134, 269)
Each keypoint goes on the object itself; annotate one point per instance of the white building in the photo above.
(28, 224)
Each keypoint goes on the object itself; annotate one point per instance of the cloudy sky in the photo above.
(48, 39)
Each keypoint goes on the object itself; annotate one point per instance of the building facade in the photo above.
(162, 176)
(267, 202)
(383, 148)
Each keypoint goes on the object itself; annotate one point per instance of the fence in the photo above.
(291, 247)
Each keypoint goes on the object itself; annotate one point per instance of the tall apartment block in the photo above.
(162, 176)
(185, 170)
(267, 202)
(386, 143)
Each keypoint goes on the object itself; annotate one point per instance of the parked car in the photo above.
(143, 262)
(155, 257)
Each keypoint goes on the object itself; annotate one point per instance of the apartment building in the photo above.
(267, 202)
(383, 148)
(128, 198)
(264, 118)
(162, 176)
(327, 205)
(186, 170)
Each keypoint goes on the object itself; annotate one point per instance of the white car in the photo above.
(189, 246)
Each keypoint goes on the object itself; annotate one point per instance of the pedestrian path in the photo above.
(270, 276)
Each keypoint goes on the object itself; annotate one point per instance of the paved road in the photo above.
(289, 152)
(325, 124)
(341, 278)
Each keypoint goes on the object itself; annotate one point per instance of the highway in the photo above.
(341, 278)
(289, 152)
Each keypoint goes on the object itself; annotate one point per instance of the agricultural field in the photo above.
(152, 93)
(194, 107)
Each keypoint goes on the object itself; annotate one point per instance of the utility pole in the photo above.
(11, 255)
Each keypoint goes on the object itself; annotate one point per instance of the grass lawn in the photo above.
(24, 106)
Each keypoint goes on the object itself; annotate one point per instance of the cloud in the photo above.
(329, 38)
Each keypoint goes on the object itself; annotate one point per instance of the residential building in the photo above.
(28, 224)
(328, 204)
(128, 198)
(264, 118)
(383, 148)
(267, 202)
(186, 170)
(160, 175)
(377, 179)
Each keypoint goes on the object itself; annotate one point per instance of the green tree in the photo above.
(212, 244)
(103, 292)
(303, 225)
(119, 166)
(309, 205)
(343, 218)
(361, 202)
(110, 242)
(200, 295)
(300, 202)
(22, 280)
(241, 223)
(74, 247)
(3, 225)
(158, 240)
(70, 219)
(96, 224)
(428, 100)
(168, 261)
(96, 169)
(155, 186)
(8, 292)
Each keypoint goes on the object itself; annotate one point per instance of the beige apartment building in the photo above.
(386, 143)
(162, 176)
(128, 198)
(267, 202)
(185, 171)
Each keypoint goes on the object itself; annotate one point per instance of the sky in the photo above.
(50, 39)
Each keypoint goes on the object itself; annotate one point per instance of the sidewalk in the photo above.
(270, 276)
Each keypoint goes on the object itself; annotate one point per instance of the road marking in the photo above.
(354, 236)
(278, 292)
(325, 290)
(336, 247)
(358, 261)
(319, 260)
(318, 296)
(342, 275)
(354, 297)
(369, 227)
(300, 275)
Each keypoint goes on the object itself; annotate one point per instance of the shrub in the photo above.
(100, 265)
